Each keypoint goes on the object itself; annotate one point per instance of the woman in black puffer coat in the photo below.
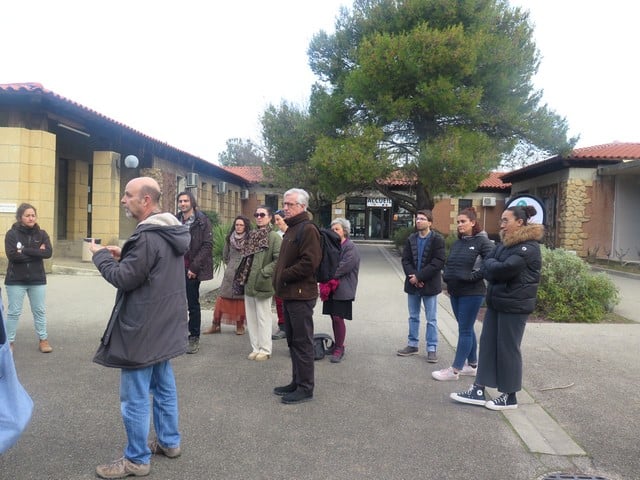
(513, 273)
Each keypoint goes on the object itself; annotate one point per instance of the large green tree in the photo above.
(240, 153)
(441, 89)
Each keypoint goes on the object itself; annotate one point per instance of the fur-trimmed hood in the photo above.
(533, 231)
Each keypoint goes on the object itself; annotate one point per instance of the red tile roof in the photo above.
(494, 180)
(400, 179)
(252, 174)
(616, 150)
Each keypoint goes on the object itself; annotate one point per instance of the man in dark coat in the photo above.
(422, 261)
(148, 326)
(295, 282)
(198, 261)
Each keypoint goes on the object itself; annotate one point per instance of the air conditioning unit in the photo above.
(244, 194)
(192, 179)
(488, 201)
(222, 187)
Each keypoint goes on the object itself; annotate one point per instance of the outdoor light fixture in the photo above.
(74, 130)
(130, 161)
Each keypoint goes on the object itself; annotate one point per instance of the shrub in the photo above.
(570, 292)
(400, 236)
(214, 218)
(220, 232)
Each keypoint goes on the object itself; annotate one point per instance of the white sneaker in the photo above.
(468, 370)
(445, 374)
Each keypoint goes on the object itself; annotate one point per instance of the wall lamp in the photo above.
(130, 161)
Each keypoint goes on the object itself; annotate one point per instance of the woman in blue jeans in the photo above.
(466, 289)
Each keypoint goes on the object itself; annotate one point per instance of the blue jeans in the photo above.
(466, 310)
(430, 307)
(135, 386)
(15, 297)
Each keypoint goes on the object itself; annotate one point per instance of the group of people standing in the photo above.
(167, 254)
(506, 276)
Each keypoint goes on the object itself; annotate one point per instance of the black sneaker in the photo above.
(286, 389)
(473, 396)
(406, 351)
(298, 396)
(503, 402)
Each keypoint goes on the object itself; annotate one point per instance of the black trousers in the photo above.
(500, 359)
(193, 302)
(298, 320)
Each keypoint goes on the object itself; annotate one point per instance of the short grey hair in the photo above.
(345, 224)
(302, 196)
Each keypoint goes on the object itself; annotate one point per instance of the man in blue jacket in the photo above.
(148, 326)
(422, 261)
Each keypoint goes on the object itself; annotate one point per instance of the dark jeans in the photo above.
(298, 320)
(193, 302)
(466, 311)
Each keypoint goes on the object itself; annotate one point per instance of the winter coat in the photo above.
(26, 268)
(259, 282)
(347, 272)
(513, 271)
(462, 272)
(148, 324)
(231, 258)
(295, 273)
(430, 272)
(199, 258)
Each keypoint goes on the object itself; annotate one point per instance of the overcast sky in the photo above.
(194, 73)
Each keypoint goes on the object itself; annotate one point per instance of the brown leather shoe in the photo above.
(44, 346)
(239, 329)
(215, 328)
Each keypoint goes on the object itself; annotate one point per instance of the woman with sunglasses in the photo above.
(260, 254)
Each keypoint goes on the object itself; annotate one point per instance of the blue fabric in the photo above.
(16, 405)
(422, 244)
(466, 310)
(135, 386)
(37, 298)
(430, 307)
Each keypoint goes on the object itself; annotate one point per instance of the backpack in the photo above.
(323, 345)
(331, 245)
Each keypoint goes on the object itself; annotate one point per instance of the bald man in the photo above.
(148, 326)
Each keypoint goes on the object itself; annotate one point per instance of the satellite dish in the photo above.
(131, 161)
(526, 199)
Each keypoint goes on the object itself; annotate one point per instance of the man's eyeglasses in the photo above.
(290, 204)
(259, 214)
(422, 219)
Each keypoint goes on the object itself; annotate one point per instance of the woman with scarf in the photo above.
(259, 257)
(230, 302)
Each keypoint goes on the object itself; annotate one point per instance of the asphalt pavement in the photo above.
(374, 416)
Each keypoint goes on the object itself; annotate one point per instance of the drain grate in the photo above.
(571, 476)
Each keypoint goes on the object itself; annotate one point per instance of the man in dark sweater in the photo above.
(295, 282)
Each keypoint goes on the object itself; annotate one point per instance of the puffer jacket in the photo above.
(295, 274)
(199, 257)
(513, 271)
(26, 268)
(148, 323)
(462, 272)
(259, 282)
(430, 272)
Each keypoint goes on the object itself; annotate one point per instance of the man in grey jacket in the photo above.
(148, 326)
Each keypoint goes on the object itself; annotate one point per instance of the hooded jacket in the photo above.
(513, 271)
(259, 282)
(26, 268)
(148, 323)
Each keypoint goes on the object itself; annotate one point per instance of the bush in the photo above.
(214, 218)
(400, 236)
(570, 292)
(220, 232)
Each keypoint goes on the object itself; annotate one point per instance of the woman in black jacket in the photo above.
(513, 272)
(27, 245)
(466, 289)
